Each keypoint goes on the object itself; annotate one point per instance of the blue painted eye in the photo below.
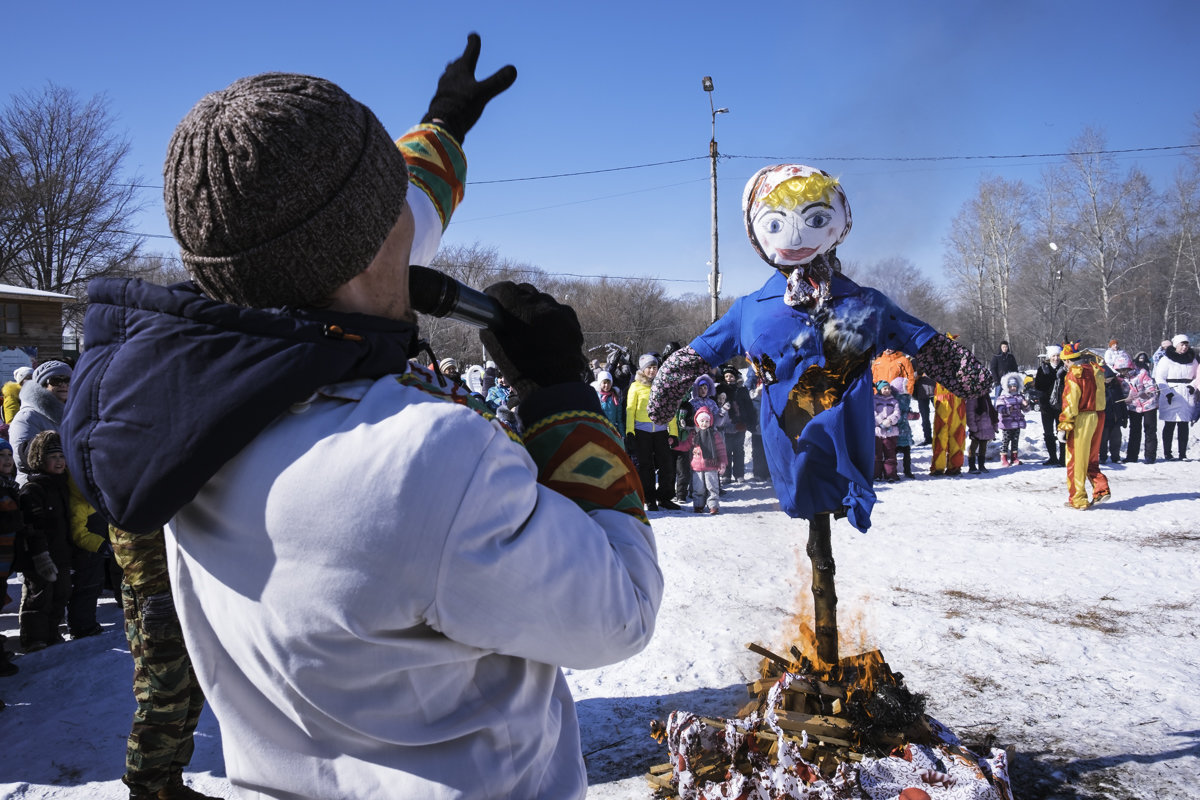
(819, 220)
(774, 225)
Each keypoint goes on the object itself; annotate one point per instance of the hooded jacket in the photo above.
(1173, 373)
(421, 665)
(40, 411)
(426, 665)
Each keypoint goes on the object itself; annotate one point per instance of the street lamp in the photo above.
(714, 278)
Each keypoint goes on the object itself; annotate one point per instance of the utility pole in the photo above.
(714, 277)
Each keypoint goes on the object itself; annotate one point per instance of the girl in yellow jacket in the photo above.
(650, 444)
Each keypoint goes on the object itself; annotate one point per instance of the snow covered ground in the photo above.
(1069, 635)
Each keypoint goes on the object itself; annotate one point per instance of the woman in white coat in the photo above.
(1177, 399)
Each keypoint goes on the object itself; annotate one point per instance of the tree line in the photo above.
(1089, 252)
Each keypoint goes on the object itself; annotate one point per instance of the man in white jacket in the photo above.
(377, 581)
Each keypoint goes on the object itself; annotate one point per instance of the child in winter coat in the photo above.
(709, 461)
(45, 501)
(1011, 406)
(1142, 401)
(887, 431)
(610, 399)
(704, 393)
(981, 425)
(905, 439)
(683, 453)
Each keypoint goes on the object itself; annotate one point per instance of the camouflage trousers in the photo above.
(169, 702)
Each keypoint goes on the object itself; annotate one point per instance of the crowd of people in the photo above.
(1073, 389)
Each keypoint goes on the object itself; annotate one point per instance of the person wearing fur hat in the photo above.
(420, 668)
(11, 392)
(1177, 401)
(43, 399)
(1142, 401)
(1080, 424)
(709, 462)
(1011, 406)
(648, 441)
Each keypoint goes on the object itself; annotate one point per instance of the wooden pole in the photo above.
(820, 554)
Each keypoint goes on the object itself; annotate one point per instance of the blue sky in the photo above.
(618, 84)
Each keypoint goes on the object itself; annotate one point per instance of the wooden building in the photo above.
(31, 323)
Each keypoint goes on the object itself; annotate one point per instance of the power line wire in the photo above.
(986, 157)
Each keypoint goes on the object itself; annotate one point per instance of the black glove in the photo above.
(460, 98)
(538, 343)
(629, 443)
(158, 616)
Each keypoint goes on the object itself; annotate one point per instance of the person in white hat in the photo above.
(1176, 398)
(1049, 375)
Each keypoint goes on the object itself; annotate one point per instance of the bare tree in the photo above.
(905, 285)
(1112, 216)
(68, 209)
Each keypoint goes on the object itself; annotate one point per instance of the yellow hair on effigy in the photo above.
(794, 191)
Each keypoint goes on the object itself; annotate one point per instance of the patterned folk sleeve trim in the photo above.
(424, 380)
(581, 456)
(437, 165)
(673, 382)
(953, 366)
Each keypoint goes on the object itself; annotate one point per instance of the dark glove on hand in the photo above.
(629, 443)
(538, 343)
(158, 616)
(460, 99)
(43, 564)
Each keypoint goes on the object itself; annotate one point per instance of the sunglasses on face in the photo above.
(59, 380)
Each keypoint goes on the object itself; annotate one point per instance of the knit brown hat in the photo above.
(279, 189)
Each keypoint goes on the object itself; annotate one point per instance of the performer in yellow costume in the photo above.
(1080, 424)
(949, 430)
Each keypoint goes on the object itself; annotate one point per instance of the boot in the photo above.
(971, 468)
(176, 789)
(1013, 460)
(1004, 459)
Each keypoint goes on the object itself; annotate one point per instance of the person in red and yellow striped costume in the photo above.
(1079, 426)
(949, 430)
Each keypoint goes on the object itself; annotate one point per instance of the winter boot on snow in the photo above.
(176, 789)
(1004, 459)
(971, 468)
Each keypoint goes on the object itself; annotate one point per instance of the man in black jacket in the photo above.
(1002, 363)
(1049, 375)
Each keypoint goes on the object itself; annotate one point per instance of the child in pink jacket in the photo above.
(708, 462)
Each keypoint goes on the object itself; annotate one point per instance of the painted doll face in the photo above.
(794, 213)
(792, 237)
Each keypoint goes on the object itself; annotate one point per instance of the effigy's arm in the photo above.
(673, 382)
(953, 366)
